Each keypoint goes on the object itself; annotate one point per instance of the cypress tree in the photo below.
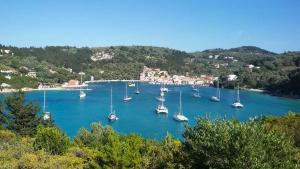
(3, 118)
(22, 116)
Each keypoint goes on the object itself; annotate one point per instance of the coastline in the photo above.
(77, 88)
(255, 90)
(40, 89)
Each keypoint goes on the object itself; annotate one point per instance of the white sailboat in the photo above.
(131, 84)
(126, 97)
(164, 88)
(161, 108)
(137, 91)
(197, 93)
(216, 98)
(179, 115)
(161, 97)
(82, 94)
(237, 103)
(194, 89)
(112, 115)
(46, 115)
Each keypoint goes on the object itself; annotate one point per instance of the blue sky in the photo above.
(188, 25)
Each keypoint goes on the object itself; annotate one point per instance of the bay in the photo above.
(138, 116)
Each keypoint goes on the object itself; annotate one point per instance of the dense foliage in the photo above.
(288, 125)
(52, 140)
(230, 144)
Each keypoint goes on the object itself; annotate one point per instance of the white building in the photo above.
(31, 74)
(231, 77)
(8, 77)
(250, 66)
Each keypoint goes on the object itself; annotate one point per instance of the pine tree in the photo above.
(3, 118)
(22, 116)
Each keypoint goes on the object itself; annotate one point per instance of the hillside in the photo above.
(53, 63)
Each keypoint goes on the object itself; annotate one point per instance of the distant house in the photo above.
(5, 85)
(68, 69)
(8, 77)
(9, 71)
(231, 77)
(31, 74)
(249, 66)
(24, 68)
(73, 82)
(52, 71)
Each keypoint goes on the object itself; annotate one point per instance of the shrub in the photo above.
(52, 140)
(230, 144)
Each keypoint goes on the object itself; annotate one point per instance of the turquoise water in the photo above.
(138, 116)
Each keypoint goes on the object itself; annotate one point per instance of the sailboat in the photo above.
(179, 115)
(112, 115)
(161, 97)
(161, 108)
(131, 84)
(137, 91)
(237, 103)
(82, 94)
(164, 88)
(126, 97)
(217, 97)
(197, 93)
(46, 115)
(194, 89)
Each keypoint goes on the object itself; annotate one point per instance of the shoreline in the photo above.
(255, 90)
(77, 88)
(41, 89)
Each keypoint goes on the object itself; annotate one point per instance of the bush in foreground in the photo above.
(52, 140)
(229, 144)
(209, 144)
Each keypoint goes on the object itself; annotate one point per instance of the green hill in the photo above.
(126, 62)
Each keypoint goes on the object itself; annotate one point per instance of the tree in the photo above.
(230, 144)
(52, 140)
(168, 154)
(22, 116)
(3, 118)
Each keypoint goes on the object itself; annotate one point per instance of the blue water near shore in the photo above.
(138, 116)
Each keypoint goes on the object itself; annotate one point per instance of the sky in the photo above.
(189, 25)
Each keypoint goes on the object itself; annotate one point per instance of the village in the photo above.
(157, 76)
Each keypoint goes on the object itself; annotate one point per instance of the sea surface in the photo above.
(138, 116)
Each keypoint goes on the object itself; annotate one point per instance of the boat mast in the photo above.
(162, 101)
(238, 94)
(137, 86)
(126, 90)
(180, 106)
(44, 108)
(111, 106)
(218, 90)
